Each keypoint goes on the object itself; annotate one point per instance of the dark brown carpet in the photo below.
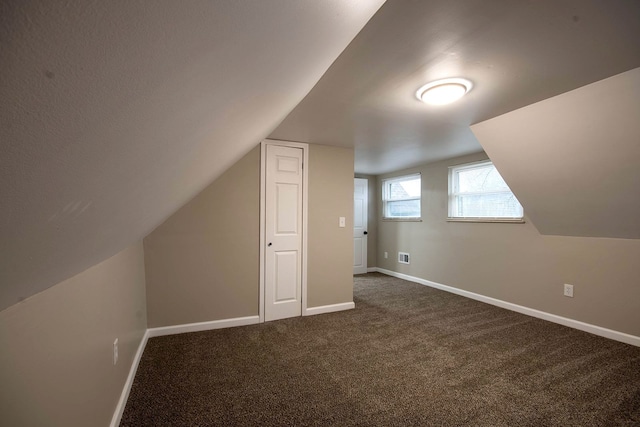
(408, 355)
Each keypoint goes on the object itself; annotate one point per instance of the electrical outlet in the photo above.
(386, 254)
(568, 290)
(115, 351)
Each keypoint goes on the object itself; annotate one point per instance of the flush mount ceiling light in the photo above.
(443, 91)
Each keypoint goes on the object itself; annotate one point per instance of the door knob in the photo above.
(365, 232)
(270, 244)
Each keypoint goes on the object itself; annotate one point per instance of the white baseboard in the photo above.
(576, 324)
(329, 308)
(372, 269)
(203, 326)
(124, 396)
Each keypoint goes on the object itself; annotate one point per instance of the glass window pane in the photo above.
(401, 196)
(480, 192)
(404, 209)
(488, 206)
(484, 178)
(404, 189)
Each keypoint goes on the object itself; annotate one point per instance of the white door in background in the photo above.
(283, 232)
(360, 197)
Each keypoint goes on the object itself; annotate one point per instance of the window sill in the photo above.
(402, 219)
(494, 220)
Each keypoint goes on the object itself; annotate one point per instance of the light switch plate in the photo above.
(343, 221)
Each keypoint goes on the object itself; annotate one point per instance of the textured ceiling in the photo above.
(573, 160)
(115, 113)
(516, 52)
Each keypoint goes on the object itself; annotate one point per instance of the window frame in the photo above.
(386, 199)
(453, 194)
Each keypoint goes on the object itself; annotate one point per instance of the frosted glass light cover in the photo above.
(443, 92)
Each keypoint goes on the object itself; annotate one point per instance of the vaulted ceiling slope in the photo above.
(115, 113)
(516, 53)
(573, 160)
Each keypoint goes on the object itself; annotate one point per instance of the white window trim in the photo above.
(385, 181)
(487, 219)
(453, 193)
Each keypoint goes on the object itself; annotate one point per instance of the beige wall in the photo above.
(56, 366)
(573, 160)
(330, 259)
(202, 263)
(513, 262)
(372, 226)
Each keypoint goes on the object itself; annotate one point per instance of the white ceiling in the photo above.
(114, 114)
(516, 52)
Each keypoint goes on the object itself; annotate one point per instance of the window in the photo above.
(478, 192)
(401, 197)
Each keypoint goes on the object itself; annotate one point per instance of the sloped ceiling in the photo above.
(516, 52)
(115, 113)
(573, 161)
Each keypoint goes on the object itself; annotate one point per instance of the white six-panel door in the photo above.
(283, 232)
(360, 196)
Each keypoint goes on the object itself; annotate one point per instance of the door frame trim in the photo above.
(263, 206)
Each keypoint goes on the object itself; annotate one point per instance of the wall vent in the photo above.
(403, 258)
